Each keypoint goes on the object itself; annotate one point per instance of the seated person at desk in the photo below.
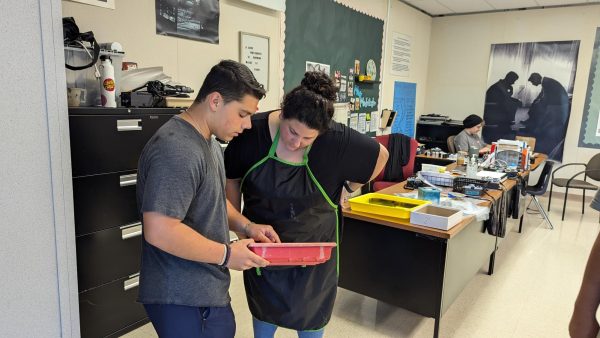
(469, 137)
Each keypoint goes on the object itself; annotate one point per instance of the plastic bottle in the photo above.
(107, 81)
(472, 167)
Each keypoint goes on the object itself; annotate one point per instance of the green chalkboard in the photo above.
(326, 32)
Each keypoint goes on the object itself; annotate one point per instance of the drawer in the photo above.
(110, 308)
(107, 255)
(110, 143)
(104, 201)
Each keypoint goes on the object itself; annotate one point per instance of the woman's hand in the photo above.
(261, 233)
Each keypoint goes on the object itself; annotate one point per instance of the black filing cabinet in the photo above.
(105, 146)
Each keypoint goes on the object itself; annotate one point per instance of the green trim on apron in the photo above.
(337, 218)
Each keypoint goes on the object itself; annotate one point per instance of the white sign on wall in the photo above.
(254, 53)
(400, 54)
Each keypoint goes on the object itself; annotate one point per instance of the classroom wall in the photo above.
(404, 19)
(133, 24)
(37, 260)
(460, 51)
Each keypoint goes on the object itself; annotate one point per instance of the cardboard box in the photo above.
(434, 216)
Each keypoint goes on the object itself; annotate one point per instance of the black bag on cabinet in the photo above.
(72, 36)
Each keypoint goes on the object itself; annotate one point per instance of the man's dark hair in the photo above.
(535, 78)
(232, 80)
(511, 77)
(312, 101)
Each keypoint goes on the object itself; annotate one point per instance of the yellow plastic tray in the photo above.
(387, 205)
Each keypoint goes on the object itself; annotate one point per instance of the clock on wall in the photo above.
(372, 70)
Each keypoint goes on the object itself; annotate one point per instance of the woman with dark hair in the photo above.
(291, 169)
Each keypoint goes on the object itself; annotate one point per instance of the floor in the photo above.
(531, 293)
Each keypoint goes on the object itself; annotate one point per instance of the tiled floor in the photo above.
(531, 293)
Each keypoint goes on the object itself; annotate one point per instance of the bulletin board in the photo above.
(328, 33)
(405, 96)
(589, 136)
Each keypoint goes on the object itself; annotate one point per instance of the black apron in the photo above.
(288, 197)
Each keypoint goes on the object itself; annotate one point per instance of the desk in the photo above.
(417, 268)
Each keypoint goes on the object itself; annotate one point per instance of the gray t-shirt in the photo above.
(463, 141)
(182, 175)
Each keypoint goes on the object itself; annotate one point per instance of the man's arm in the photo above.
(583, 322)
(233, 192)
(176, 238)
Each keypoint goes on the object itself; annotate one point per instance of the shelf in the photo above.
(356, 80)
(102, 51)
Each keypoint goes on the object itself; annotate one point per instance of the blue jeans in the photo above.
(174, 321)
(267, 330)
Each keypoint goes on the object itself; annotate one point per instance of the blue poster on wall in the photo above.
(405, 94)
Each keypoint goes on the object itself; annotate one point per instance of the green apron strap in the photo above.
(271, 154)
(273, 148)
(337, 218)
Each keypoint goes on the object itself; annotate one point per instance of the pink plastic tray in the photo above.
(294, 253)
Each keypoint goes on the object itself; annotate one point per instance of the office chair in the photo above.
(539, 189)
(450, 143)
(592, 170)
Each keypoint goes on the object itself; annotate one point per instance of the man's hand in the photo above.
(484, 150)
(241, 258)
(262, 233)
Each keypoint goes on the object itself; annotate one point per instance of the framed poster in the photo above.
(530, 86)
(254, 53)
(100, 3)
(195, 20)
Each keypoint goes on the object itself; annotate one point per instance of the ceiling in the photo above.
(457, 7)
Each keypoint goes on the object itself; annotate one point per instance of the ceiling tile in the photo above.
(430, 6)
(466, 6)
(559, 2)
(444, 7)
(511, 4)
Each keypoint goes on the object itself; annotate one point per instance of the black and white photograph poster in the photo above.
(529, 91)
(189, 19)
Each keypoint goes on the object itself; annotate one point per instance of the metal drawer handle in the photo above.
(129, 125)
(126, 180)
(131, 283)
(131, 230)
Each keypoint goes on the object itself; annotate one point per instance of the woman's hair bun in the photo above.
(320, 83)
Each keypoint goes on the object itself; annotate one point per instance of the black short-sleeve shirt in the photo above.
(338, 155)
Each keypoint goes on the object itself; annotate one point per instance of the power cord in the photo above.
(97, 71)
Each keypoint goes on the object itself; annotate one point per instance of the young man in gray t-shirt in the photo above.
(184, 277)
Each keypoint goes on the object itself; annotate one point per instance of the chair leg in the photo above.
(565, 202)
(529, 204)
(583, 203)
(521, 223)
(550, 197)
(543, 212)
